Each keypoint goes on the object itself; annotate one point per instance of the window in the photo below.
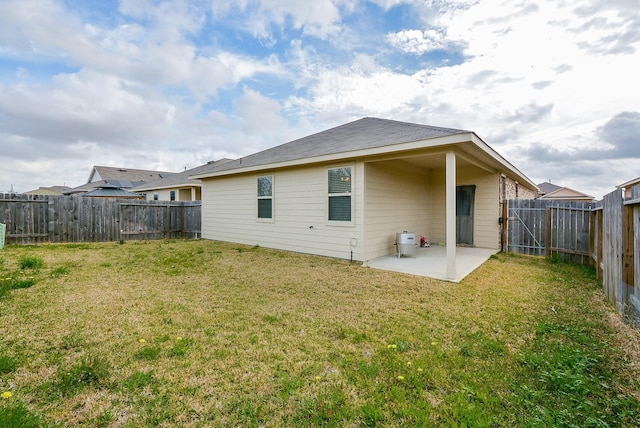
(155, 196)
(339, 186)
(172, 195)
(265, 197)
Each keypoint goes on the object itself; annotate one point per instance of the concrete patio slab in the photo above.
(432, 262)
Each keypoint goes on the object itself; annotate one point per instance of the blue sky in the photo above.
(170, 85)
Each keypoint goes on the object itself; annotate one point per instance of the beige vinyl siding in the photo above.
(398, 198)
(229, 210)
(438, 224)
(163, 194)
(182, 194)
(486, 229)
(486, 210)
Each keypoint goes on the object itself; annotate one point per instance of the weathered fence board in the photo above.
(571, 228)
(612, 241)
(34, 219)
(635, 297)
(544, 227)
(525, 221)
(605, 234)
(631, 255)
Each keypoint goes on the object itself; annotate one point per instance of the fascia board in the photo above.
(498, 158)
(170, 186)
(577, 195)
(334, 157)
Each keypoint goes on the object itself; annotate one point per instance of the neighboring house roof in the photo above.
(121, 177)
(631, 188)
(111, 192)
(115, 173)
(552, 191)
(48, 191)
(547, 187)
(180, 179)
(367, 136)
(629, 183)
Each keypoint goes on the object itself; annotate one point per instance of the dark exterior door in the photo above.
(465, 197)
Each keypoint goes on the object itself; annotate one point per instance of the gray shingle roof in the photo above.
(126, 177)
(52, 190)
(130, 174)
(180, 178)
(366, 133)
(547, 187)
(103, 192)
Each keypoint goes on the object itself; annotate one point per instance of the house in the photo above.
(555, 192)
(123, 178)
(109, 190)
(627, 188)
(175, 187)
(48, 191)
(347, 191)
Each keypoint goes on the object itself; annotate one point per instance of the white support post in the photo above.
(451, 214)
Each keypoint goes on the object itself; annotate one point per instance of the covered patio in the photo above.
(432, 262)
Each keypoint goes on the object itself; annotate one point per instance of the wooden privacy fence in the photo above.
(34, 219)
(605, 235)
(549, 228)
(616, 250)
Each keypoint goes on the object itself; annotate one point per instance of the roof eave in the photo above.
(629, 183)
(334, 157)
(168, 186)
(578, 195)
(462, 137)
(501, 160)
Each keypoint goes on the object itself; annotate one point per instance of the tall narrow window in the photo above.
(265, 196)
(155, 196)
(339, 194)
(172, 195)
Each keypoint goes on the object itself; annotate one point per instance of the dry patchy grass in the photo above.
(201, 333)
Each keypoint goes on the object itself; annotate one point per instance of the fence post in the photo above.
(547, 245)
(169, 220)
(627, 245)
(51, 218)
(599, 268)
(183, 221)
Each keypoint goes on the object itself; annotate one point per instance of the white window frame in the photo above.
(270, 197)
(351, 194)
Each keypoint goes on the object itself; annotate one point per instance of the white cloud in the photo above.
(509, 49)
(86, 106)
(419, 42)
(158, 55)
(318, 18)
(356, 90)
(622, 132)
(26, 29)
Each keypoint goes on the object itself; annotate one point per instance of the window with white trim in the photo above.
(265, 197)
(339, 194)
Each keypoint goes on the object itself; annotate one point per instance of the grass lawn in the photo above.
(200, 333)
